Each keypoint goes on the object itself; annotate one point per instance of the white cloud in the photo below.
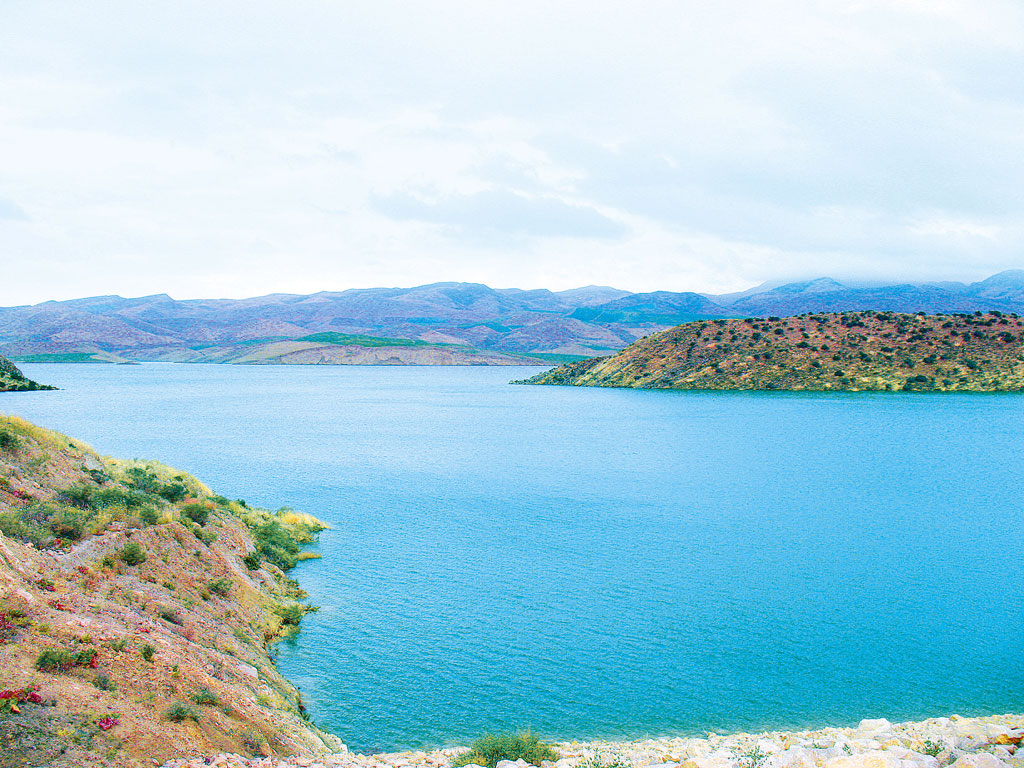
(239, 148)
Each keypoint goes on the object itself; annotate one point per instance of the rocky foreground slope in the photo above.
(849, 351)
(13, 380)
(136, 609)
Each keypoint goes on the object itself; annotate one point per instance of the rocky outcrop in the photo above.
(852, 351)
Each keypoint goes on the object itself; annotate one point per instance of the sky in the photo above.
(231, 149)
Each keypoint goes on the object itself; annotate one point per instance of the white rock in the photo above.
(795, 757)
(979, 760)
(718, 759)
(873, 759)
(869, 728)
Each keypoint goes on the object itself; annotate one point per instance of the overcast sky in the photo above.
(218, 148)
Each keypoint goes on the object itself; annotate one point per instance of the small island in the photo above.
(848, 351)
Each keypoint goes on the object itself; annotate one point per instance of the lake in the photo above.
(600, 562)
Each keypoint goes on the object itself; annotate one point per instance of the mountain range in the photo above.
(441, 323)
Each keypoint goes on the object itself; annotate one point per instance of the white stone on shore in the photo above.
(988, 742)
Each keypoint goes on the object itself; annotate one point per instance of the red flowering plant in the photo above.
(108, 722)
(10, 699)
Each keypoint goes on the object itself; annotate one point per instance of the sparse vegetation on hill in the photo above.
(137, 607)
(849, 351)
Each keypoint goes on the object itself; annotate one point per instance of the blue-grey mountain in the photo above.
(438, 324)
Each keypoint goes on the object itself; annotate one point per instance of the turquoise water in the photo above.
(594, 562)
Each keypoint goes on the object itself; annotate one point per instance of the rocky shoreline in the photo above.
(962, 742)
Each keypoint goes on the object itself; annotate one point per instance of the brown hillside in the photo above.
(851, 351)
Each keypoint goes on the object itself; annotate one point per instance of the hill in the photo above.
(13, 380)
(851, 351)
(136, 612)
(438, 324)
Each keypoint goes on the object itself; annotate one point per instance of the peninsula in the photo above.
(849, 351)
(13, 380)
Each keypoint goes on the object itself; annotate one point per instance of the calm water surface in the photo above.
(588, 562)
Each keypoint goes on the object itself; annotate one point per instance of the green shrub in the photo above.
(9, 441)
(179, 712)
(40, 523)
(104, 683)
(173, 492)
(115, 497)
(490, 750)
(276, 545)
(68, 524)
(207, 537)
(59, 660)
(291, 613)
(149, 516)
(17, 527)
(205, 697)
(77, 495)
(144, 480)
(253, 560)
(220, 587)
(147, 652)
(197, 512)
(132, 554)
(54, 660)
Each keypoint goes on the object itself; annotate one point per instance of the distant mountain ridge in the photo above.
(451, 323)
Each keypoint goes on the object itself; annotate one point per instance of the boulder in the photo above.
(872, 728)
(979, 760)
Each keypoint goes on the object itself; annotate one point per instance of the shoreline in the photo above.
(966, 742)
